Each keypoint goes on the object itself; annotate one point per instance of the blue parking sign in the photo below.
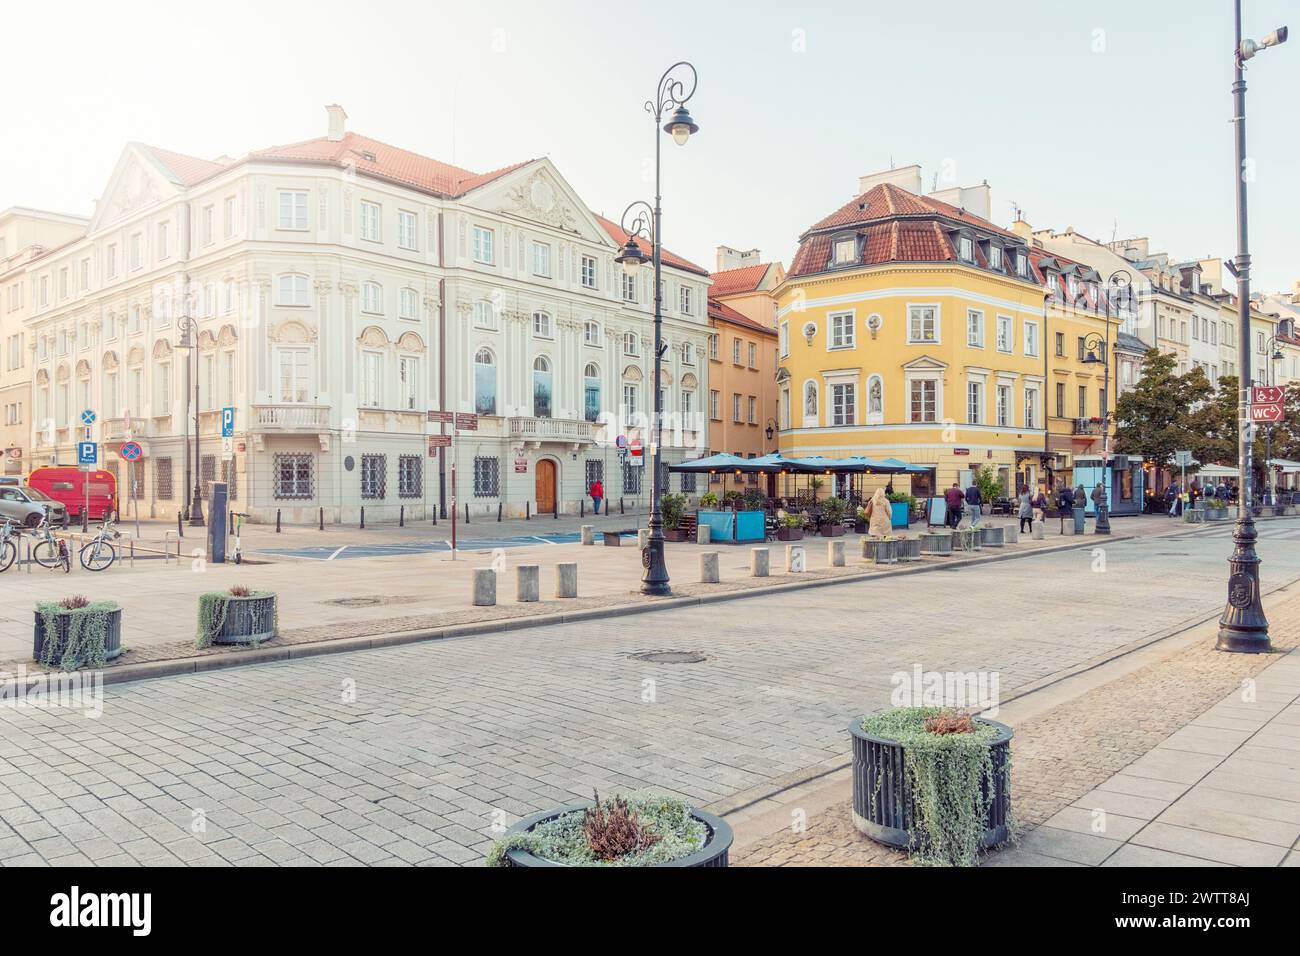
(228, 422)
(87, 453)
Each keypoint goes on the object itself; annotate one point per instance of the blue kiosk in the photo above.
(1123, 477)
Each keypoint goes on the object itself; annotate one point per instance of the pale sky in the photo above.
(1108, 116)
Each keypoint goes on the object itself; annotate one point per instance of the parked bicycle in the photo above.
(50, 551)
(98, 554)
(9, 538)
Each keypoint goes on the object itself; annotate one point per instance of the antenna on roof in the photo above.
(934, 184)
(1114, 230)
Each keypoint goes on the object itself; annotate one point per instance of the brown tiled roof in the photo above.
(185, 170)
(619, 235)
(743, 279)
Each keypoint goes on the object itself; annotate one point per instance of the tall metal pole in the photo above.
(185, 500)
(1103, 505)
(1243, 626)
(196, 506)
(655, 578)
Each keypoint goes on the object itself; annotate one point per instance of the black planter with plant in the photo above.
(632, 831)
(934, 782)
(75, 633)
(673, 509)
(237, 616)
(831, 523)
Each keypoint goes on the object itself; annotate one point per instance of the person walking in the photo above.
(597, 492)
(879, 515)
(1026, 510)
(1040, 505)
(953, 499)
(975, 501)
(1097, 494)
(1171, 496)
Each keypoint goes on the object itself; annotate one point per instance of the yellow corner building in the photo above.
(910, 326)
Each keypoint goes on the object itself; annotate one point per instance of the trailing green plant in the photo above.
(84, 642)
(834, 510)
(950, 776)
(673, 507)
(214, 606)
(636, 831)
(754, 499)
(708, 500)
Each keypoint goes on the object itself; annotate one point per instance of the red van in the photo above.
(66, 484)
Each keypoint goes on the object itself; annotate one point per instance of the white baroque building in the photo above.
(342, 289)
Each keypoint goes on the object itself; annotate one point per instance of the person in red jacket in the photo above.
(953, 498)
(597, 492)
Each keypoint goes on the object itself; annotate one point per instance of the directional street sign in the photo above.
(1266, 413)
(88, 417)
(131, 451)
(1267, 394)
(439, 416)
(467, 421)
(438, 441)
(228, 422)
(87, 453)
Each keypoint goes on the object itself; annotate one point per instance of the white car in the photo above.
(27, 506)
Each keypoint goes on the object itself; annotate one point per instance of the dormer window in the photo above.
(1022, 264)
(1052, 282)
(966, 249)
(1074, 287)
(845, 251)
(995, 257)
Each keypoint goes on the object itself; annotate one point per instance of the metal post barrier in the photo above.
(363, 517)
(29, 557)
(498, 511)
(85, 519)
(435, 516)
(277, 521)
(528, 511)
(582, 507)
(401, 516)
(467, 512)
(167, 554)
(180, 528)
(132, 544)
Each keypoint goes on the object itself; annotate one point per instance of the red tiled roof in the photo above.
(620, 235)
(1086, 299)
(374, 158)
(725, 313)
(887, 201)
(743, 279)
(186, 170)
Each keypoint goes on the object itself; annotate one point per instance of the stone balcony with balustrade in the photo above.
(289, 419)
(572, 431)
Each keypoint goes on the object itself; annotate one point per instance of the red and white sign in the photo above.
(436, 416)
(438, 441)
(1267, 395)
(635, 448)
(1266, 413)
(467, 421)
(521, 466)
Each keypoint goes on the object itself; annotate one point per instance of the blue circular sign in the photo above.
(131, 451)
(88, 417)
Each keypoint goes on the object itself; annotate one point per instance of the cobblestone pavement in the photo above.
(412, 754)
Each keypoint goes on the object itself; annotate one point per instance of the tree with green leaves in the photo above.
(1153, 419)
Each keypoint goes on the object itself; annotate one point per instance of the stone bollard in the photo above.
(1067, 528)
(588, 534)
(643, 538)
(1011, 534)
(703, 534)
(709, 567)
(759, 562)
(527, 586)
(566, 580)
(794, 558)
(835, 554)
(1037, 533)
(485, 587)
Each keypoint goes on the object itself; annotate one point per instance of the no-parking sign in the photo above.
(131, 451)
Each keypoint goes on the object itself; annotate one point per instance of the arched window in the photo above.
(485, 383)
(541, 387)
(591, 392)
(292, 290)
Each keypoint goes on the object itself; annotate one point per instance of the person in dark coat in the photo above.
(953, 499)
(975, 502)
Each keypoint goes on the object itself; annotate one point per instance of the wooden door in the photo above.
(545, 486)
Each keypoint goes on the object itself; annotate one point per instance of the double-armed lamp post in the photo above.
(643, 220)
(1243, 626)
(1098, 349)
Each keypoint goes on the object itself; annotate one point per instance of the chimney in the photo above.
(905, 177)
(1022, 228)
(1295, 291)
(729, 258)
(338, 122)
(976, 200)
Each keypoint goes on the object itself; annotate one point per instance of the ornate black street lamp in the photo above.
(190, 344)
(1098, 349)
(1243, 626)
(671, 95)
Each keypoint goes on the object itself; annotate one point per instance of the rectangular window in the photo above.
(1004, 333)
(751, 410)
(542, 324)
(374, 474)
(995, 257)
(589, 272)
(975, 328)
(1031, 339)
(164, 240)
(752, 354)
(844, 402)
(632, 478)
(407, 223)
(685, 296)
(408, 304)
(485, 317)
(845, 251)
(110, 266)
(631, 400)
(714, 399)
(735, 407)
(293, 476)
(370, 213)
(292, 290)
(735, 351)
(410, 476)
(783, 334)
(483, 241)
(922, 324)
(974, 402)
(1083, 401)
(1060, 344)
(293, 209)
(841, 330)
(923, 399)
(1004, 405)
(487, 477)
(294, 370)
(1031, 408)
(591, 333)
(541, 260)
(1060, 400)
(966, 249)
(230, 216)
(407, 382)
(631, 344)
(209, 214)
(629, 288)
(372, 370)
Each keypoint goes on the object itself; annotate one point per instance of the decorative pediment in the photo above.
(373, 337)
(110, 362)
(632, 373)
(42, 377)
(83, 369)
(162, 349)
(135, 356)
(63, 374)
(292, 332)
(411, 342)
(136, 184)
(538, 193)
(926, 362)
(690, 381)
(227, 337)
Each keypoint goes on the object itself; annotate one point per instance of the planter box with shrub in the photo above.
(909, 549)
(237, 616)
(934, 782)
(75, 633)
(881, 550)
(636, 831)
